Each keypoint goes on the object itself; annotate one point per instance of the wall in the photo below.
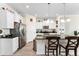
(30, 28)
(72, 25)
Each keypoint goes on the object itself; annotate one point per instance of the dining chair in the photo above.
(72, 44)
(52, 45)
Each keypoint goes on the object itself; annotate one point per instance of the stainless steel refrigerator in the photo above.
(19, 31)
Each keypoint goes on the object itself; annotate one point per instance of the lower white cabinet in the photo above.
(15, 44)
(8, 46)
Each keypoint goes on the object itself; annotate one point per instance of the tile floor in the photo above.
(26, 50)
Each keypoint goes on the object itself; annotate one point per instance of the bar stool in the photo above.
(52, 45)
(72, 44)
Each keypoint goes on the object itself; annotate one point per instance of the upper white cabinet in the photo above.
(16, 18)
(6, 19)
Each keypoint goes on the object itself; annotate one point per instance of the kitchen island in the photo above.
(8, 46)
(40, 43)
(40, 46)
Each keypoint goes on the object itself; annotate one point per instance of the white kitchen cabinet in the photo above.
(15, 44)
(6, 19)
(16, 18)
(8, 46)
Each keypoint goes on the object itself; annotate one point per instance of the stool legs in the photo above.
(75, 51)
(48, 52)
(53, 52)
(66, 51)
(45, 50)
(57, 52)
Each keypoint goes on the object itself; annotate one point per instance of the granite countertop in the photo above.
(8, 37)
(39, 37)
(43, 36)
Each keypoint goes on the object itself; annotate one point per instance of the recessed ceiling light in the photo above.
(27, 6)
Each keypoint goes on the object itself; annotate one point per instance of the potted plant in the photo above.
(75, 33)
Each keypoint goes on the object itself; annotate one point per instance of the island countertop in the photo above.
(44, 36)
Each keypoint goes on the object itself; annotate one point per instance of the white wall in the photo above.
(72, 25)
(30, 28)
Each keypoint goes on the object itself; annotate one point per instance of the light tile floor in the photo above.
(26, 50)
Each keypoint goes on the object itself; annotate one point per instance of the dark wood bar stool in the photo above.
(52, 45)
(72, 44)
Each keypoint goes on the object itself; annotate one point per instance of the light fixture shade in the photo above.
(62, 20)
(68, 20)
(52, 21)
(48, 21)
(27, 6)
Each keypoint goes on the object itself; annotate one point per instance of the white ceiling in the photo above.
(42, 9)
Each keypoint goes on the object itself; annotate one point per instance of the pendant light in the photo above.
(49, 18)
(62, 20)
(65, 18)
(68, 20)
(48, 13)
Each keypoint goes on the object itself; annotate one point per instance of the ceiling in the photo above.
(43, 9)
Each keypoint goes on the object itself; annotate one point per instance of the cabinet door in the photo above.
(6, 46)
(15, 44)
(10, 20)
(3, 20)
(16, 18)
(6, 19)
